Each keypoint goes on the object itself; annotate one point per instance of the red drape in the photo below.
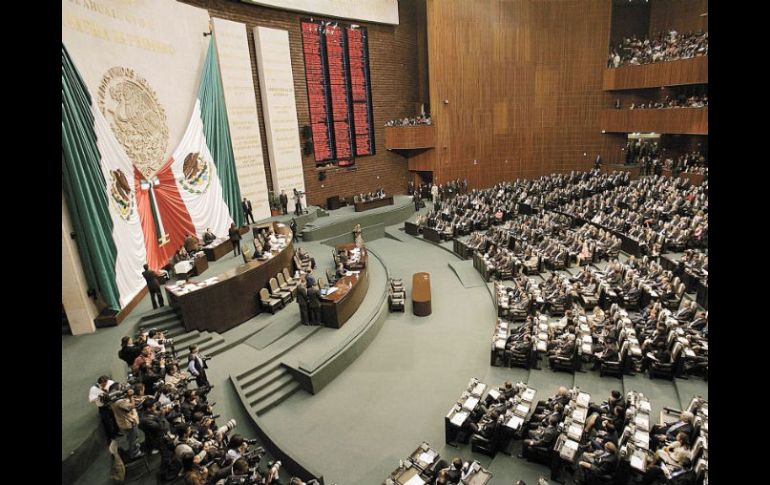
(173, 211)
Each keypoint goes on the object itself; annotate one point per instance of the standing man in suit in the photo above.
(284, 202)
(196, 366)
(297, 203)
(247, 210)
(302, 300)
(235, 238)
(314, 304)
(151, 277)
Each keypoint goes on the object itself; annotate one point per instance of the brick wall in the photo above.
(393, 63)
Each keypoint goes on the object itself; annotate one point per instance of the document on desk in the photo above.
(521, 410)
(329, 291)
(494, 394)
(427, 457)
(642, 421)
(459, 418)
(470, 403)
(638, 461)
(415, 480)
(528, 395)
(645, 407)
(583, 399)
(515, 422)
(479, 389)
(642, 439)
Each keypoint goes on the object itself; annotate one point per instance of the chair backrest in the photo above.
(264, 295)
(329, 274)
(273, 285)
(281, 281)
(286, 274)
(246, 254)
(680, 290)
(322, 282)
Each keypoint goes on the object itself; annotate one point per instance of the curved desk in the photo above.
(349, 265)
(338, 307)
(232, 298)
(421, 294)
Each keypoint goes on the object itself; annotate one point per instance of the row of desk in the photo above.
(419, 468)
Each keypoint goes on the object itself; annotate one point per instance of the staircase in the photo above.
(169, 322)
(269, 383)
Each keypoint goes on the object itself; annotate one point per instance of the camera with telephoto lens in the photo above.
(254, 456)
(111, 397)
(203, 390)
(227, 427)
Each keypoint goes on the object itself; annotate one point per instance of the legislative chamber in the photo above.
(397, 242)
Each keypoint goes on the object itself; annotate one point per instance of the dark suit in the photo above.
(152, 284)
(284, 203)
(544, 443)
(302, 301)
(246, 203)
(314, 305)
(208, 238)
(235, 237)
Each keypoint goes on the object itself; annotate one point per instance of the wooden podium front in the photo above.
(421, 299)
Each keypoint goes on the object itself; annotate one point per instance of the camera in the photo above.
(206, 357)
(227, 427)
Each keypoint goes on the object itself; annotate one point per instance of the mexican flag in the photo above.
(124, 217)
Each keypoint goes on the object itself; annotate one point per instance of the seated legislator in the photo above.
(208, 236)
(191, 244)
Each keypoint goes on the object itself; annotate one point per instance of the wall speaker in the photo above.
(306, 131)
(307, 148)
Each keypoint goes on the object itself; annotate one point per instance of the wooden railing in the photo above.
(671, 73)
(689, 121)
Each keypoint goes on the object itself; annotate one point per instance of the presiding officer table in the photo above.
(373, 204)
(218, 248)
(225, 301)
(339, 306)
(421, 294)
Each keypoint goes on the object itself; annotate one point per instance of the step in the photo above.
(265, 379)
(158, 313)
(265, 370)
(281, 346)
(185, 339)
(262, 394)
(217, 348)
(164, 323)
(277, 398)
(204, 340)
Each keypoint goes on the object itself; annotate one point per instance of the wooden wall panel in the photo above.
(401, 137)
(523, 83)
(672, 73)
(680, 15)
(395, 74)
(691, 121)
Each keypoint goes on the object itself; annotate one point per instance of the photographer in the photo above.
(196, 365)
(156, 340)
(96, 395)
(128, 351)
(154, 425)
(194, 474)
(176, 378)
(128, 421)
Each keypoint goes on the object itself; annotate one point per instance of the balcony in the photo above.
(671, 73)
(410, 137)
(685, 121)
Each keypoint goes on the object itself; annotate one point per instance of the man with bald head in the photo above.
(662, 434)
